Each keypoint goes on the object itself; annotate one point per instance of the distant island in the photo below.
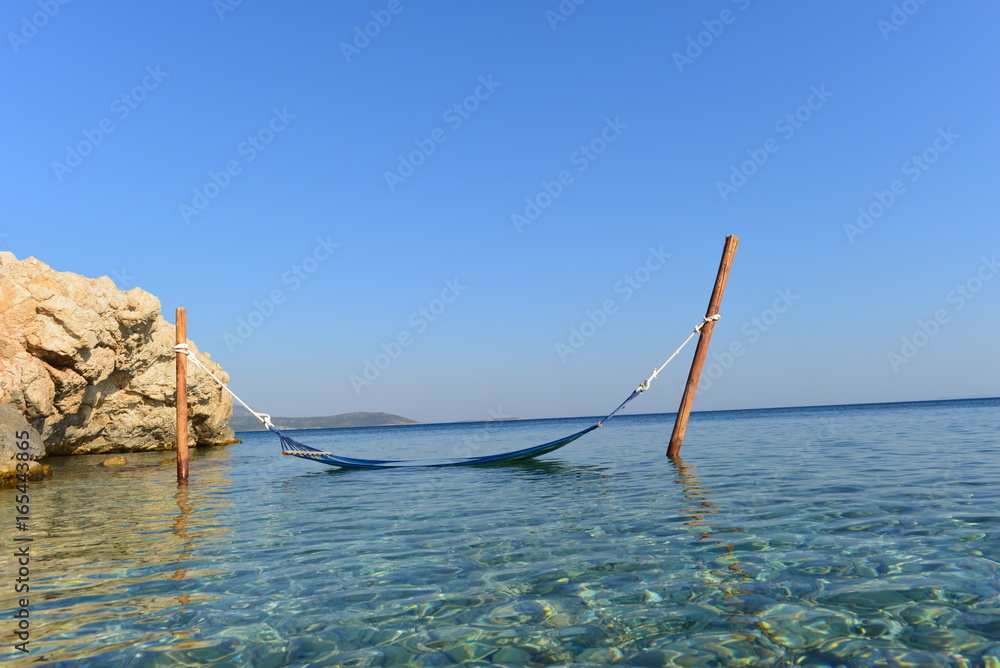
(242, 420)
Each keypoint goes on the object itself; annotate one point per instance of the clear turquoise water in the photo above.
(842, 536)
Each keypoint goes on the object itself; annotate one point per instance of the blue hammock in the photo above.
(296, 449)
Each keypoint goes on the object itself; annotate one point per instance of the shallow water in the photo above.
(854, 536)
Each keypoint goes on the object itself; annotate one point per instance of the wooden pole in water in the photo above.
(182, 400)
(701, 352)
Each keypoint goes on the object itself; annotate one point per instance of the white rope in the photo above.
(697, 330)
(183, 348)
(266, 419)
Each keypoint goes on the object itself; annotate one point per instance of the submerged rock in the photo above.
(113, 461)
(511, 655)
(92, 367)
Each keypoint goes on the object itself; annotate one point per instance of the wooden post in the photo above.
(182, 400)
(701, 352)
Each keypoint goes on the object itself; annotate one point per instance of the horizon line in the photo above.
(587, 417)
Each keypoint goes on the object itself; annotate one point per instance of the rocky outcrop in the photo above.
(92, 367)
(19, 444)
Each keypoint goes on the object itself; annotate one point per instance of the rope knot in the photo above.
(705, 320)
(182, 348)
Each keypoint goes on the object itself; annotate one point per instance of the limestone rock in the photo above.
(91, 367)
(17, 436)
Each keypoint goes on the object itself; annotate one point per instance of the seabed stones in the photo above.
(713, 649)
(864, 652)
(528, 583)
(799, 626)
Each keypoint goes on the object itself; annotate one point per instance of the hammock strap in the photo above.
(263, 417)
(645, 384)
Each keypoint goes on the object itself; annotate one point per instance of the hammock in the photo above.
(292, 447)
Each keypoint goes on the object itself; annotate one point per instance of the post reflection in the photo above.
(729, 577)
(180, 530)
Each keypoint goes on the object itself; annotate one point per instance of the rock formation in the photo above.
(92, 367)
(19, 443)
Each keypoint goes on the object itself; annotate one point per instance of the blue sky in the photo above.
(443, 200)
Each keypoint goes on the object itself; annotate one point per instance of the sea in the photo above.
(863, 535)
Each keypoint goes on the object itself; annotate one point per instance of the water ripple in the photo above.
(811, 537)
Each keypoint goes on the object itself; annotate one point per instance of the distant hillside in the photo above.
(244, 421)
